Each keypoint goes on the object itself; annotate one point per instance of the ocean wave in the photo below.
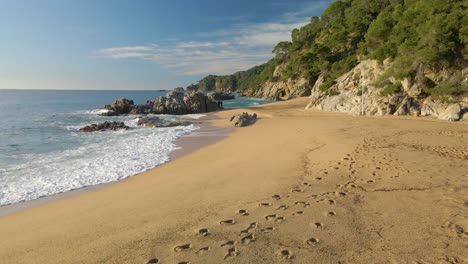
(102, 158)
(194, 116)
(95, 111)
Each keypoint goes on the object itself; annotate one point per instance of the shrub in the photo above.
(391, 89)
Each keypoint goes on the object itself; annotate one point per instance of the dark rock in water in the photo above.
(174, 103)
(158, 122)
(244, 119)
(119, 107)
(104, 126)
(219, 96)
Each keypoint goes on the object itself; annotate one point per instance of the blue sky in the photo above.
(130, 44)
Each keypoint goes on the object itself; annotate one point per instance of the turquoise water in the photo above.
(42, 153)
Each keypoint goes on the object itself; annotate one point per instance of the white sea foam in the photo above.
(103, 157)
(94, 111)
(195, 116)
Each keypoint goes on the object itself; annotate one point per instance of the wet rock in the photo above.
(244, 119)
(158, 122)
(119, 107)
(173, 103)
(104, 126)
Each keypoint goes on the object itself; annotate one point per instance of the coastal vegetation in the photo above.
(415, 35)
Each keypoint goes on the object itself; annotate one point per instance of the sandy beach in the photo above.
(297, 186)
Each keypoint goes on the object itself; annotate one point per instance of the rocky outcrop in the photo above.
(119, 107)
(155, 121)
(244, 119)
(355, 91)
(174, 103)
(104, 126)
(282, 90)
(219, 96)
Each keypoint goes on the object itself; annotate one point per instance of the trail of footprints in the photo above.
(280, 212)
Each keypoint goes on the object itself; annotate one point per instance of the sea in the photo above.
(42, 152)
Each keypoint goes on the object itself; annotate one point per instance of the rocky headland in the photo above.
(173, 103)
(368, 57)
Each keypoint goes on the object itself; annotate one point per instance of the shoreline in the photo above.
(206, 135)
(312, 186)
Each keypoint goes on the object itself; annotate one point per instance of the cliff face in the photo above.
(405, 97)
(282, 90)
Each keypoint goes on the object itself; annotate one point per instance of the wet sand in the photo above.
(206, 135)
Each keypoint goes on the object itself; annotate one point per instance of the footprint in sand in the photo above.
(297, 190)
(312, 241)
(302, 203)
(282, 207)
(267, 229)
(203, 250)
(318, 225)
(228, 222)
(264, 204)
(183, 247)
(318, 178)
(331, 201)
(228, 243)
(250, 227)
(232, 252)
(342, 194)
(280, 219)
(153, 261)
(285, 253)
(184, 262)
(298, 213)
(271, 216)
(243, 212)
(204, 232)
(253, 225)
(247, 239)
(331, 213)
(276, 197)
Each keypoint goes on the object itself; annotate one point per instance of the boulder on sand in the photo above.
(244, 119)
(104, 126)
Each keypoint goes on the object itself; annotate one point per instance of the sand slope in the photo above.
(316, 187)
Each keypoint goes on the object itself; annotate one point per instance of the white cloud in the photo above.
(236, 48)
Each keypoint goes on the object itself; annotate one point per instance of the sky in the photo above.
(139, 44)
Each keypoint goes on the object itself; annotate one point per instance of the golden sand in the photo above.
(300, 186)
